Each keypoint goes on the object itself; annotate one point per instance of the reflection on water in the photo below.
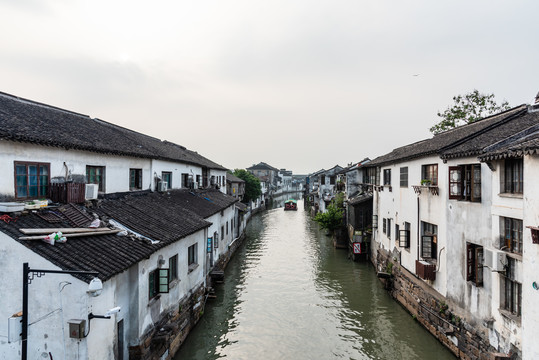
(289, 294)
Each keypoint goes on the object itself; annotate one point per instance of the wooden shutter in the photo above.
(163, 280)
(455, 182)
(470, 270)
(478, 266)
(426, 247)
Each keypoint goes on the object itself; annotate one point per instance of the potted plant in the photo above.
(425, 182)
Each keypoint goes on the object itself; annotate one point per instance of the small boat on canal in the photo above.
(290, 204)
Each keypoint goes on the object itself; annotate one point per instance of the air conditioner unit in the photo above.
(495, 260)
(162, 186)
(91, 191)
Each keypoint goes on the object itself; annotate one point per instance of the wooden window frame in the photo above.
(511, 233)
(387, 177)
(167, 176)
(430, 172)
(404, 238)
(474, 264)
(464, 184)
(135, 179)
(99, 178)
(512, 289)
(404, 176)
(158, 281)
(42, 190)
(173, 268)
(429, 241)
(192, 255)
(514, 176)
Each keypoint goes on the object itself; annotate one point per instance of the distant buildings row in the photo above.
(452, 224)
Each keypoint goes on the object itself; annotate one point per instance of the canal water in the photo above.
(288, 294)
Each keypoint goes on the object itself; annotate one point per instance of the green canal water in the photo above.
(288, 294)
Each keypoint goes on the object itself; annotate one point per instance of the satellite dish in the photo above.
(95, 287)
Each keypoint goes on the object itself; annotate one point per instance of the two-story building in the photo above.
(441, 214)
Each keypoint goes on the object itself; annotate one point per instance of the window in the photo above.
(167, 176)
(31, 180)
(192, 257)
(96, 175)
(465, 182)
(429, 240)
(404, 176)
(396, 231)
(384, 225)
(474, 264)
(389, 228)
(173, 268)
(404, 236)
(222, 232)
(512, 289)
(227, 227)
(429, 173)
(387, 177)
(135, 179)
(185, 180)
(332, 180)
(511, 235)
(513, 176)
(158, 282)
(322, 180)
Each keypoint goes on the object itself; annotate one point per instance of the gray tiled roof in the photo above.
(523, 143)
(28, 121)
(166, 217)
(461, 141)
(232, 178)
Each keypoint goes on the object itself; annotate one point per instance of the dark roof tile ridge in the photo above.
(521, 136)
(488, 128)
(515, 108)
(106, 123)
(43, 105)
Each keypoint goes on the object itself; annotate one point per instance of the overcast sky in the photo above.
(301, 85)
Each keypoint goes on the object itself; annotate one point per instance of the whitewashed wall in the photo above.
(530, 296)
(46, 307)
(149, 311)
(177, 169)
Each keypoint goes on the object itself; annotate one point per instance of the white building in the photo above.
(441, 213)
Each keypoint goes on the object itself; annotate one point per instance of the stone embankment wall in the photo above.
(166, 336)
(430, 309)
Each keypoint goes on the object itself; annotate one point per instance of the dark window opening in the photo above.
(474, 264)
(135, 179)
(429, 174)
(404, 176)
(96, 175)
(513, 171)
(511, 235)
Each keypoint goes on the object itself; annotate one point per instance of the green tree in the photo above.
(252, 185)
(332, 219)
(467, 109)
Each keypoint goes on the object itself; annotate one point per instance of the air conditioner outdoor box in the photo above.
(495, 260)
(91, 191)
(162, 186)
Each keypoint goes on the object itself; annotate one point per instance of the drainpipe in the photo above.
(418, 230)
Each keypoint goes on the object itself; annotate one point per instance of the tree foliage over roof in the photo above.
(332, 219)
(252, 184)
(467, 109)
